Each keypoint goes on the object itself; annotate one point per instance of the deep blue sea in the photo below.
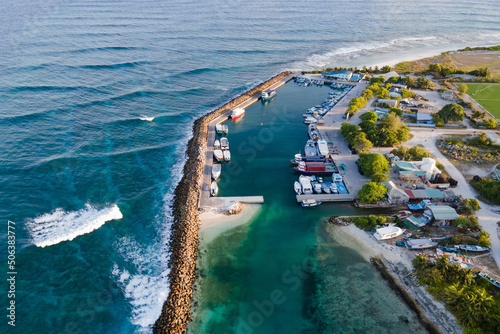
(85, 173)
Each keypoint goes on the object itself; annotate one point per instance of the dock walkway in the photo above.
(327, 197)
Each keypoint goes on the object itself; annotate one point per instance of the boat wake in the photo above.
(52, 228)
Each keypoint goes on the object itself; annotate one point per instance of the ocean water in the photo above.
(88, 179)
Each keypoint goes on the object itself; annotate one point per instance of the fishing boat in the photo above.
(268, 94)
(297, 187)
(225, 129)
(218, 129)
(326, 187)
(490, 278)
(305, 183)
(322, 147)
(316, 187)
(310, 120)
(310, 149)
(224, 143)
(315, 168)
(237, 113)
(389, 232)
(422, 243)
(217, 144)
(218, 155)
(214, 189)
(216, 170)
(227, 155)
(296, 159)
(472, 248)
(313, 132)
(307, 203)
(449, 249)
(336, 177)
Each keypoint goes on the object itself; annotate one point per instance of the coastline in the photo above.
(184, 241)
(395, 266)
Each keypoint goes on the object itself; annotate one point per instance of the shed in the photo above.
(443, 212)
(395, 194)
(392, 103)
(415, 221)
(424, 118)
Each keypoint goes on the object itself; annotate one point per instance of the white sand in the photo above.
(214, 223)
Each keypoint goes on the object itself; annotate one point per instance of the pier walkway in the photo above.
(327, 197)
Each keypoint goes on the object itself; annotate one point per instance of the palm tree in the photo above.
(467, 276)
(444, 266)
(420, 262)
(470, 303)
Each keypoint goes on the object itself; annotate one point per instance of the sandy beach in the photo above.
(399, 265)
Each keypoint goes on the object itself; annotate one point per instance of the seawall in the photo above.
(175, 314)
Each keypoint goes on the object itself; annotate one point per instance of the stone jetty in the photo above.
(176, 313)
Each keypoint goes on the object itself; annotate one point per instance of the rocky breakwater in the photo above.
(176, 313)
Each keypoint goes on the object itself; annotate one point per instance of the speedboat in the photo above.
(268, 94)
(227, 155)
(224, 143)
(316, 186)
(217, 144)
(238, 112)
(310, 120)
(216, 169)
(225, 129)
(218, 129)
(218, 155)
(297, 159)
(323, 147)
(305, 182)
(297, 187)
(326, 187)
(336, 177)
(214, 189)
(334, 188)
(147, 118)
(310, 148)
(309, 203)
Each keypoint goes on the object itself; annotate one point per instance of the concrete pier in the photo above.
(327, 197)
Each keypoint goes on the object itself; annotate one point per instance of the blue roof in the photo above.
(337, 72)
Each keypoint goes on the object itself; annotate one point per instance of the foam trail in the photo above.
(52, 228)
(146, 118)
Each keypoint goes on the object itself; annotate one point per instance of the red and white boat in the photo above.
(237, 113)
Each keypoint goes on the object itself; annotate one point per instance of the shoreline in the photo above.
(395, 267)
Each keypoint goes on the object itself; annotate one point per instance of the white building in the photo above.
(344, 75)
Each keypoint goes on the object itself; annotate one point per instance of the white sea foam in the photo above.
(146, 118)
(53, 228)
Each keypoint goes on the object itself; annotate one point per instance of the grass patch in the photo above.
(487, 95)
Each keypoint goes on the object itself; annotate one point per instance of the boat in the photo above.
(217, 144)
(472, 248)
(305, 183)
(214, 189)
(310, 149)
(224, 143)
(316, 186)
(216, 170)
(218, 129)
(490, 278)
(334, 188)
(449, 249)
(227, 155)
(310, 120)
(296, 159)
(326, 187)
(422, 243)
(389, 232)
(225, 129)
(336, 177)
(419, 206)
(315, 168)
(218, 155)
(268, 94)
(146, 118)
(322, 147)
(297, 187)
(237, 113)
(313, 132)
(309, 203)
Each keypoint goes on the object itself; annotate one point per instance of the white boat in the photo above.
(310, 120)
(296, 159)
(217, 144)
(216, 170)
(218, 128)
(305, 182)
(218, 155)
(389, 232)
(323, 147)
(309, 203)
(336, 177)
(227, 155)
(472, 248)
(326, 187)
(225, 129)
(268, 94)
(146, 118)
(316, 186)
(421, 243)
(334, 188)
(224, 143)
(214, 189)
(297, 187)
(310, 148)
(238, 112)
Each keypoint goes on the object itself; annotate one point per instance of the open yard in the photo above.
(487, 95)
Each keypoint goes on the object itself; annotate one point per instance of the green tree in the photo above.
(396, 111)
(470, 303)
(382, 93)
(386, 69)
(372, 192)
(478, 114)
(369, 116)
(405, 93)
(349, 131)
(367, 94)
(491, 123)
(451, 113)
(481, 140)
(484, 239)
(374, 165)
(462, 88)
(423, 83)
(362, 144)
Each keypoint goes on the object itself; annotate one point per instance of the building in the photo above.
(396, 195)
(344, 75)
(443, 214)
(427, 165)
(424, 118)
(357, 77)
(391, 103)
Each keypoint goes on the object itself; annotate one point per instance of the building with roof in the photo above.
(424, 118)
(392, 103)
(358, 77)
(427, 165)
(344, 75)
(443, 214)
(425, 194)
(395, 194)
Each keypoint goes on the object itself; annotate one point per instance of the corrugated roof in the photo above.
(405, 165)
(415, 221)
(443, 212)
(408, 172)
(434, 193)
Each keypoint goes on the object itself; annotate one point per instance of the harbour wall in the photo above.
(175, 314)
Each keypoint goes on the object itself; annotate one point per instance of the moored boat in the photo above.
(334, 188)
(449, 249)
(216, 170)
(227, 155)
(217, 144)
(214, 189)
(218, 129)
(305, 183)
(218, 155)
(315, 168)
(472, 248)
(316, 187)
(389, 232)
(421, 243)
(225, 129)
(327, 187)
(237, 113)
(313, 132)
(322, 147)
(297, 187)
(224, 143)
(309, 203)
(268, 94)
(310, 149)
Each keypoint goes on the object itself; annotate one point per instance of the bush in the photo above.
(414, 153)
(451, 113)
(484, 240)
(488, 188)
(374, 165)
(481, 140)
(372, 192)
